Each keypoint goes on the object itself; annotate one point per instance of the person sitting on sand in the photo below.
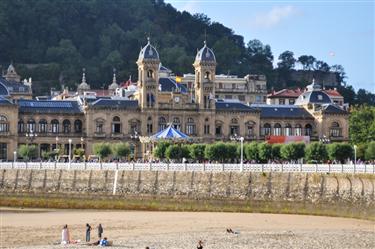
(104, 242)
(200, 244)
(65, 236)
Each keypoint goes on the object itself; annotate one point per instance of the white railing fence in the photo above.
(206, 167)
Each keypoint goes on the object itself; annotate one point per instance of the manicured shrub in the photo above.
(292, 151)
(27, 152)
(121, 150)
(339, 151)
(264, 152)
(197, 151)
(276, 151)
(370, 151)
(102, 150)
(316, 152)
(251, 151)
(159, 151)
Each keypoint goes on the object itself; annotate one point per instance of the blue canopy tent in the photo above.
(169, 133)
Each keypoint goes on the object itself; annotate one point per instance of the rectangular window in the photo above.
(291, 102)
(206, 129)
(3, 151)
(99, 128)
(258, 99)
(282, 101)
(241, 97)
(149, 128)
(228, 96)
(190, 129)
(233, 130)
(218, 130)
(3, 127)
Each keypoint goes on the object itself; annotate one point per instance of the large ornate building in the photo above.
(87, 119)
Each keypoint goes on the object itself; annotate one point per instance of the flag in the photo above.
(178, 79)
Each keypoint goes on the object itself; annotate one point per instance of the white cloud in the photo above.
(273, 17)
(191, 6)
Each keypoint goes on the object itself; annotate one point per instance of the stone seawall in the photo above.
(356, 189)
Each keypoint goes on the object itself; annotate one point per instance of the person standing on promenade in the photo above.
(100, 231)
(88, 230)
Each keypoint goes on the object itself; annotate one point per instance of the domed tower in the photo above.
(11, 74)
(204, 85)
(112, 87)
(148, 76)
(83, 86)
(313, 96)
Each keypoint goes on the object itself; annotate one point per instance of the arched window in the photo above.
(308, 130)
(4, 124)
(31, 125)
(190, 127)
(162, 123)
(207, 75)
(335, 130)
(43, 126)
(55, 126)
(206, 130)
(116, 125)
(250, 128)
(150, 74)
(234, 127)
(134, 126)
(218, 128)
(21, 126)
(66, 126)
(288, 130)
(277, 129)
(150, 100)
(298, 130)
(176, 123)
(266, 129)
(77, 126)
(99, 124)
(149, 125)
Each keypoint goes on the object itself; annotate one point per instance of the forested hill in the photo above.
(52, 40)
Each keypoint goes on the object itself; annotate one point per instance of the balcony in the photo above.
(117, 135)
(4, 133)
(99, 134)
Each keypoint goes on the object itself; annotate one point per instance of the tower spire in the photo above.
(83, 75)
(114, 81)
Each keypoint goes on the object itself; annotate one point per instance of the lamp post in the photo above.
(15, 156)
(70, 152)
(135, 136)
(241, 139)
(355, 154)
(57, 148)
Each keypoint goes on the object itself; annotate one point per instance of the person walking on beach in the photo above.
(88, 230)
(100, 231)
(200, 244)
(65, 236)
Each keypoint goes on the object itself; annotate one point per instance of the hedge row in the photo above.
(262, 152)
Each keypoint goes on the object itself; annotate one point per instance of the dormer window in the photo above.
(320, 97)
(150, 74)
(207, 76)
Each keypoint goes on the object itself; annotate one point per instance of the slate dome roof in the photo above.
(3, 89)
(313, 95)
(148, 52)
(205, 54)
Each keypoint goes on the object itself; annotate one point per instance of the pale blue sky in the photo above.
(337, 32)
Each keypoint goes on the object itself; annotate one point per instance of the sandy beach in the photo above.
(138, 229)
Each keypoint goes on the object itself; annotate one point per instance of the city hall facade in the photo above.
(159, 101)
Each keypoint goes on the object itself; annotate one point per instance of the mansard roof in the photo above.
(115, 103)
(233, 106)
(170, 85)
(49, 106)
(333, 109)
(13, 87)
(3, 88)
(282, 111)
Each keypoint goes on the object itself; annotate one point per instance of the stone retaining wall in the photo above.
(358, 189)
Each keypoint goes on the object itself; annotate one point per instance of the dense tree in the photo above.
(307, 61)
(322, 66)
(27, 152)
(316, 152)
(121, 150)
(177, 152)
(217, 152)
(370, 151)
(251, 151)
(197, 151)
(102, 150)
(292, 151)
(264, 152)
(159, 151)
(286, 60)
(365, 97)
(362, 124)
(276, 151)
(340, 151)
